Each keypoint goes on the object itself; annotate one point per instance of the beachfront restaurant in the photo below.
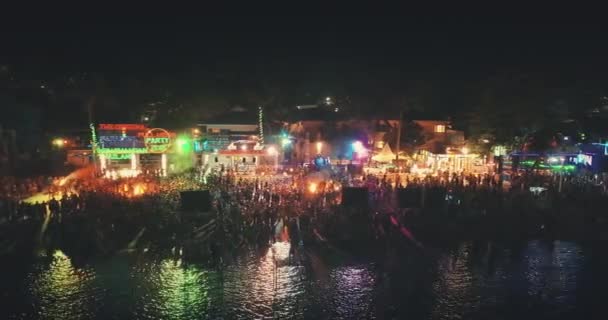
(130, 149)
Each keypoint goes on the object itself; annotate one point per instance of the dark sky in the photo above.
(317, 41)
(364, 54)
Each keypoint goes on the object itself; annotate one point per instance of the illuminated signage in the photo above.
(118, 156)
(583, 159)
(157, 140)
(122, 126)
(106, 141)
(121, 150)
(118, 139)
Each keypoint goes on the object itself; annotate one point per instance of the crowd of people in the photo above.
(250, 207)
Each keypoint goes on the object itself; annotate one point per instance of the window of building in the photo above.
(244, 160)
(253, 159)
(216, 159)
(440, 128)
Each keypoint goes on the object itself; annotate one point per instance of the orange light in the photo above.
(59, 142)
(312, 187)
(272, 151)
(138, 190)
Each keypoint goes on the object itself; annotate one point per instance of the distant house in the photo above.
(439, 136)
(237, 125)
(232, 142)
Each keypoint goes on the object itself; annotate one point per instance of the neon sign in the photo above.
(120, 142)
(157, 140)
(119, 156)
(122, 127)
(583, 159)
(121, 150)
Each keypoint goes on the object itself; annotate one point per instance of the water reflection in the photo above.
(479, 278)
(472, 280)
(453, 283)
(551, 271)
(352, 294)
(172, 290)
(266, 286)
(63, 291)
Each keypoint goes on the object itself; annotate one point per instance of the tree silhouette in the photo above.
(412, 137)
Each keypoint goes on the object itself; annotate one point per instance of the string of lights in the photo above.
(261, 123)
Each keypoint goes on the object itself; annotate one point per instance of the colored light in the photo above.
(163, 164)
(133, 162)
(285, 142)
(359, 149)
(183, 145)
(319, 147)
(59, 142)
(464, 150)
(358, 146)
(261, 123)
(102, 162)
(118, 156)
(312, 187)
(121, 150)
(272, 151)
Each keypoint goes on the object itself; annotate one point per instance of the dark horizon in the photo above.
(376, 63)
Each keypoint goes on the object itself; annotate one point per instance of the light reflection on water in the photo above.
(353, 292)
(63, 291)
(170, 289)
(265, 287)
(474, 280)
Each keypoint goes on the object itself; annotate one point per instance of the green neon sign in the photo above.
(157, 140)
(118, 156)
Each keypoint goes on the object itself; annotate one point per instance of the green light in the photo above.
(118, 156)
(567, 167)
(184, 145)
(93, 138)
(527, 163)
(557, 167)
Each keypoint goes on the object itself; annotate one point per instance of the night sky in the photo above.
(217, 62)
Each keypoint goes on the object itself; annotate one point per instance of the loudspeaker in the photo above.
(355, 197)
(199, 200)
(355, 169)
(410, 197)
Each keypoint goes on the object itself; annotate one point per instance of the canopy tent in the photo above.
(385, 155)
